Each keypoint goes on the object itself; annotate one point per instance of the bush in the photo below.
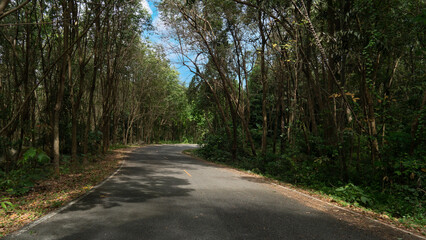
(215, 147)
(281, 168)
(32, 167)
(353, 194)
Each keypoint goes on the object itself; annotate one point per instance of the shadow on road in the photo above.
(144, 176)
(231, 222)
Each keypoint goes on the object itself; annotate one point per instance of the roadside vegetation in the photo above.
(328, 95)
(41, 194)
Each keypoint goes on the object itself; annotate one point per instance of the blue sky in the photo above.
(184, 74)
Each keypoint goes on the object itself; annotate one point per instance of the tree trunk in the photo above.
(263, 79)
(60, 93)
(92, 90)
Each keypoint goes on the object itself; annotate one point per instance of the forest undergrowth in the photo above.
(39, 191)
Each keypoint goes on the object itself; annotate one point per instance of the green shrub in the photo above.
(353, 194)
(32, 167)
(215, 147)
(5, 204)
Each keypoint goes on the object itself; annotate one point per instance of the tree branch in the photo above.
(3, 5)
(28, 97)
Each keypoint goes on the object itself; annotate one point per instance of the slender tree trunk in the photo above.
(60, 93)
(311, 107)
(25, 81)
(90, 107)
(371, 119)
(264, 79)
(276, 123)
(282, 127)
(74, 101)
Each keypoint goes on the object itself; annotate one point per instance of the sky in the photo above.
(184, 74)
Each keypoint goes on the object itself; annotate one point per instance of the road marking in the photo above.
(187, 173)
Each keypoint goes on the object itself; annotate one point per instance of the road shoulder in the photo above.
(352, 215)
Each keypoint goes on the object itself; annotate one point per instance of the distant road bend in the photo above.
(161, 193)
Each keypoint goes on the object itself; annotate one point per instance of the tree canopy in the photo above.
(327, 94)
(77, 77)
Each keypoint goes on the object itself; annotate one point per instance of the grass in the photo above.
(53, 193)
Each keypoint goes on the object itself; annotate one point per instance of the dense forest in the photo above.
(329, 95)
(76, 78)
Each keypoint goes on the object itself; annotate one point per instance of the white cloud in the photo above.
(160, 25)
(145, 6)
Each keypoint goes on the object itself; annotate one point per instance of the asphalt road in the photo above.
(162, 194)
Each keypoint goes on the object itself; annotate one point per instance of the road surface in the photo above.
(160, 193)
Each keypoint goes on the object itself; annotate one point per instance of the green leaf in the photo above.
(6, 205)
(30, 153)
(43, 158)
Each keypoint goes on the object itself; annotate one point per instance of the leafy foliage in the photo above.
(5, 204)
(32, 168)
(332, 100)
(119, 89)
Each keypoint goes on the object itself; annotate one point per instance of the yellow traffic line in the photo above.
(187, 173)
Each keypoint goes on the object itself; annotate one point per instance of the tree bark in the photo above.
(92, 89)
(263, 79)
(60, 91)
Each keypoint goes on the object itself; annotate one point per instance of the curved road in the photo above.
(160, 193)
